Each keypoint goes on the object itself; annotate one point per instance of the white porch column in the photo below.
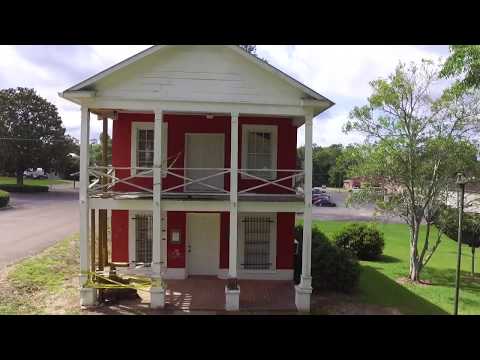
(157, 292)
(88, 296)
(232, 292)
(304, 289)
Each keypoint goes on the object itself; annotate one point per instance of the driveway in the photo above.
(37, 221)
(343, 213)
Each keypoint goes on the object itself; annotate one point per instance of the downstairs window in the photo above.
(258, 242)
(143, 238)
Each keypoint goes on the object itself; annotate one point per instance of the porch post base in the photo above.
(88, 296)
(232, 299)
(302, 298)
(157, 298)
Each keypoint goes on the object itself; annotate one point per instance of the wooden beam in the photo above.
(83, 194)
(92, 239)
(232, 259)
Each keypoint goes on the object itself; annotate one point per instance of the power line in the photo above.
(27, 139)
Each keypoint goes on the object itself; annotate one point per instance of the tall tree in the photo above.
(323, 159)
(344, 162)
(463, 64)
(417, 144)
(30, 130)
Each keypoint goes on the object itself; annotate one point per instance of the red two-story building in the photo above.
(203, 178)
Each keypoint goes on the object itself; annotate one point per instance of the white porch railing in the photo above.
(206, 180)
(294, 175)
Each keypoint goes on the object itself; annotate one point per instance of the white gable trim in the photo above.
(322, 101)
(120, 65)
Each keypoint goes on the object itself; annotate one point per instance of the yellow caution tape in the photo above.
(142, 283)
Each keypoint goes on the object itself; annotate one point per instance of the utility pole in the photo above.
(461, 181)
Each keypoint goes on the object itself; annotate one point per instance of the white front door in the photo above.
(205, 151)
(203, 243)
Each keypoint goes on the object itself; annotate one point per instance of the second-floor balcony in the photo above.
(196, 183)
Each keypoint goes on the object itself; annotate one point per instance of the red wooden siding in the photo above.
(176, 252)
(179, 125)
(285, 240)
(120, 235)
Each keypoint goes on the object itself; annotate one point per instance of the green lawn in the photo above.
(42, 284)
(379, 280)
(12, 180)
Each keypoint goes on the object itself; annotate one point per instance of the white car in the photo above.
(37, 173)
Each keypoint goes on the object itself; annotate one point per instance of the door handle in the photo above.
(189, 248)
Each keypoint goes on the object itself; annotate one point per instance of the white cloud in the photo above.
(342, 74)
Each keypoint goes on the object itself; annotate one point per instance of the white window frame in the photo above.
(136, 126)
(273, 130)
(132, 237)
(273, 242)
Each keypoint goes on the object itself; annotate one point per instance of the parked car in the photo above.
(322, 200)
(37, 173)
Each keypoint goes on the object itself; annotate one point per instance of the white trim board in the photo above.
(144, 125)
(90, 82)
(197, 205)
(279, 274)
(273, 130)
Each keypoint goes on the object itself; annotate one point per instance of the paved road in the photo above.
(343, 213)
(37, 221)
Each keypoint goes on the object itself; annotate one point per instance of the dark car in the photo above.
(323, 200)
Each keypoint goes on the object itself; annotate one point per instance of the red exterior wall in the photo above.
(176, 252)
(285, 240)
(179, 125)
(120, 235)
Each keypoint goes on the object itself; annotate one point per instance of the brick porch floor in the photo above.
(208, 293)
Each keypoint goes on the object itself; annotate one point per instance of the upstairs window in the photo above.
(143, 147)
(259, 150)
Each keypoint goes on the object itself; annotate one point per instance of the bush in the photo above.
(333, 268)
(365, 241)
(4, 198)
(23, 188)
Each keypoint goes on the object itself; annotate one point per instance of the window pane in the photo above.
(251, 141)
(263, 162)
(143, 240)
(257, 232)
(266, 148)
(145, 148)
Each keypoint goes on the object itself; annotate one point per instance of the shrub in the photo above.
(365, 241)
(23, 188)
(4, 198)
(333, 268)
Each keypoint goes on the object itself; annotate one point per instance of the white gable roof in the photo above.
(224, 73)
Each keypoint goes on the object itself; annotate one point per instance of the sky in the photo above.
(339, 72)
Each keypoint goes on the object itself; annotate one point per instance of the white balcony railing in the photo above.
(193, 180)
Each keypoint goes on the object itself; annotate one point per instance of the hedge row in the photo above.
(4, 198)
(23, 188)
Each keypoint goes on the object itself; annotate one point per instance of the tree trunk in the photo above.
(415, 265)
(19, 176)
(473, 260)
